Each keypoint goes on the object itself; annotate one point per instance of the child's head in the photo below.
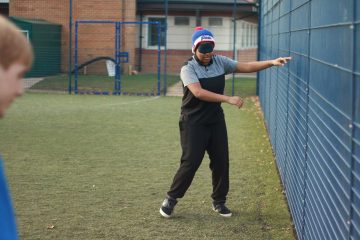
(16, 57)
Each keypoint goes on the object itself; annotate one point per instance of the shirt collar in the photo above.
(198, 61)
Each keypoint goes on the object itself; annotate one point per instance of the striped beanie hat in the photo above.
(201, 35)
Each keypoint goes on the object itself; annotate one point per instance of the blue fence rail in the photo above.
(312, 111)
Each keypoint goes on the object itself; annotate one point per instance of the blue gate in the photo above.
(119, 57)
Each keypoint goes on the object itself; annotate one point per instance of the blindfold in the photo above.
(206, 48)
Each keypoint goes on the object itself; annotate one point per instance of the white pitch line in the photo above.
(127, 103)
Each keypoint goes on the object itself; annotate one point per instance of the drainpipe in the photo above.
(123, 33)
(198, 18)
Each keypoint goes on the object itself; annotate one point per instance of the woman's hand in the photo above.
(280, 61)
(235, 100)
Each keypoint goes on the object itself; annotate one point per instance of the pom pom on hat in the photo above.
(201, 35)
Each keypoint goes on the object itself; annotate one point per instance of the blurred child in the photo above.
(16, 57)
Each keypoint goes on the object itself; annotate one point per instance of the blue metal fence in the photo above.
(312, 111)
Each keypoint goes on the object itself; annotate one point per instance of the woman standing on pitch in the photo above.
(202, 124)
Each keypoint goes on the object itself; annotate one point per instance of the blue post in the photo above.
(159, 62)
(76, 56)
(233, 76)
(118, 70)
(116, 59)
(165, 47)
(258, 44)
(70, 46)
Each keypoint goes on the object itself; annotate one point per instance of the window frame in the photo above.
(187, 23)
(150, 29)
(215, 25)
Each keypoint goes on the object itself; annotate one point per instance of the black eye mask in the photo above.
(206, 48)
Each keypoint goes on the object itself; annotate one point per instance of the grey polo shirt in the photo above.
(211, 78)
(192, 71)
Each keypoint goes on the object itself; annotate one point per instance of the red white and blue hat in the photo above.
(201, 35)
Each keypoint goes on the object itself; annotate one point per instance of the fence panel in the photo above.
(315, 118)
(355, 227)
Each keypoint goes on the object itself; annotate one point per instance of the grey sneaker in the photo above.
(167, 207)
(222, 209)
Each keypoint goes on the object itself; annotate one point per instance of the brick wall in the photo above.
(247, 55)
(176, 59)
(99, 39)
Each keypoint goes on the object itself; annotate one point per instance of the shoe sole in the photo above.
(223, 215)
(164, 214)
(226, 215)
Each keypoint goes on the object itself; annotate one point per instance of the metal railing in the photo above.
(312, 111)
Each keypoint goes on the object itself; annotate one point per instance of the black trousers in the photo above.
(195, 140)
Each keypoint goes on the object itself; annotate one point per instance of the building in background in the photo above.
(94, 41)
(184, 16)
(139, 41)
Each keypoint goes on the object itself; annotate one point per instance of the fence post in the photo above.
(287, 105)
(306, 147)
(159, 43)
(76, 57)
(277, 85)
(351, 124)
(259, 44)
(117, 59)
(234, 41)
(165, 47)
(70, 46)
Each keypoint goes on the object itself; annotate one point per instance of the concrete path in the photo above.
(29, 82)
(175, 90)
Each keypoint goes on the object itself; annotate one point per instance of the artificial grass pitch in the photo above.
(98, 167)
(141, 84)
(130, 84)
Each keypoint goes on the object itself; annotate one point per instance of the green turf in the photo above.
(98, 167)
(243, 87)
(141, 83)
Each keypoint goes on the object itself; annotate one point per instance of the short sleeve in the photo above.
(228, 64)
(188, 75)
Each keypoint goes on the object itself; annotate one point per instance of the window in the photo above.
(248, 35)
(215, 21)
(252, 36)
(153, 32)
(243, 35)
(253, 43)
(182, 21)
(4, 8)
